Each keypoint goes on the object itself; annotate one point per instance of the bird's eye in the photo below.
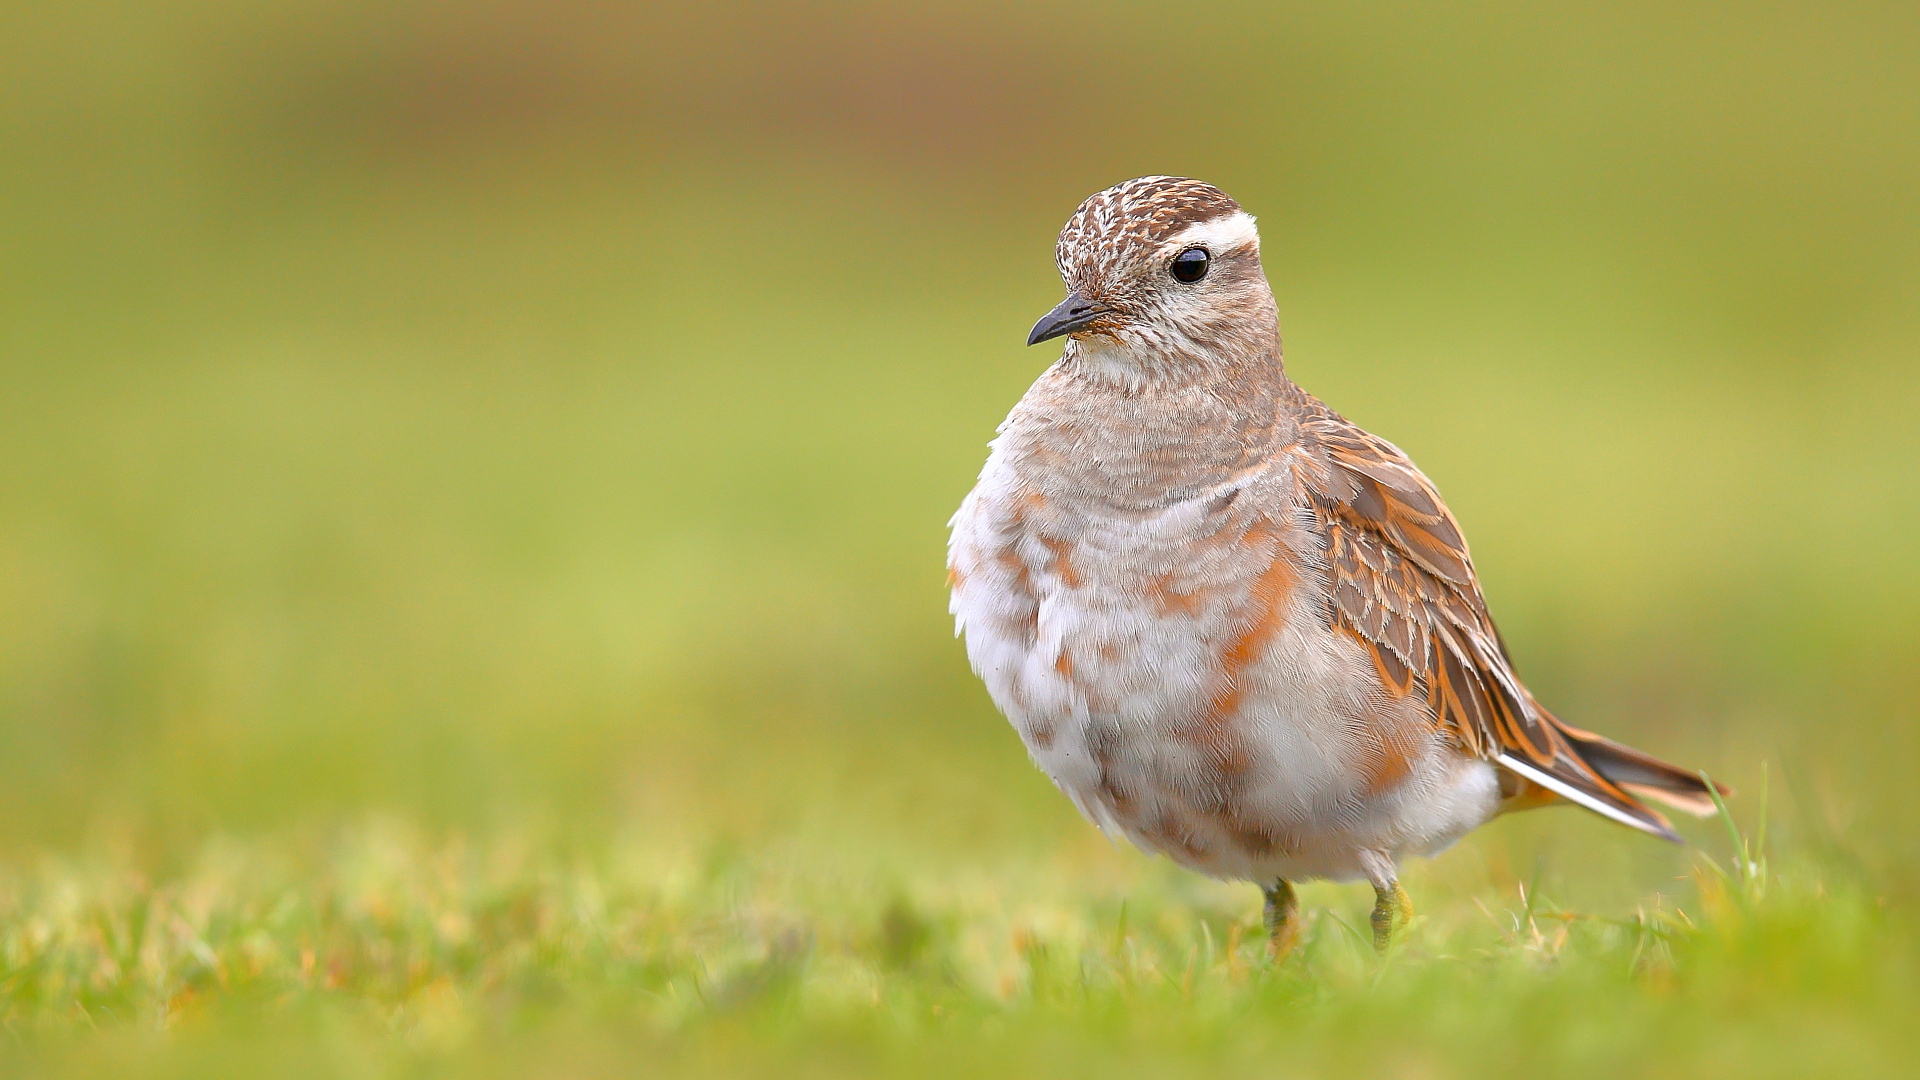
(1190, 265)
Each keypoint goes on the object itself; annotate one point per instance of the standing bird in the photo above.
(1226, 621)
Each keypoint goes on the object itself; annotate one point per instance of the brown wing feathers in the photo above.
(1403, 584)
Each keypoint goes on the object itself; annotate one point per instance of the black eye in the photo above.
(1190, 265)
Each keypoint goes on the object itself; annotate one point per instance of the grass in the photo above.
(380, 951)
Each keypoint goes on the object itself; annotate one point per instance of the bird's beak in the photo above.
(1073, 313)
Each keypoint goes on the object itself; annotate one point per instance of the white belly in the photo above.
(1174, 674)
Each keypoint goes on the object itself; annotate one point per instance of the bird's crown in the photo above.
(1137, 215)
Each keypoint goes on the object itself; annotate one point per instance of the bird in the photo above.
(1229, 624)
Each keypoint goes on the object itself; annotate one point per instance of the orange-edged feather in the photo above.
(1403, 585)
(1641, 773)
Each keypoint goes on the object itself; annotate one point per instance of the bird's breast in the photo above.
(1174, 672)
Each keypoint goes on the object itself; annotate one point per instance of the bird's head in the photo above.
(1163, 277)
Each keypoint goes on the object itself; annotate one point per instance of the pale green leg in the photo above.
(1392, 911)
(1282, 919)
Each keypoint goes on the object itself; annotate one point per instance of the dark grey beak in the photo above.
(1074, 313)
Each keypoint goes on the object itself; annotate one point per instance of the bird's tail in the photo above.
(1641, 773)
(1604, 776)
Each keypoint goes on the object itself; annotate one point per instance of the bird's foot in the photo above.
(1392, 912)
(1283, 921)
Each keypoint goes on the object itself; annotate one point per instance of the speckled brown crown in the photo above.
(1137, 215)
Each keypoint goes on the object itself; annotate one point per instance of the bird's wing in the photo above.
(1403, 585)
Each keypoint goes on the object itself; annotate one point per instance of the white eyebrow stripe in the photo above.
(1219, 234)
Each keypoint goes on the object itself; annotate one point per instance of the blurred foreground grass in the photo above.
(377, 952)
(472, 510)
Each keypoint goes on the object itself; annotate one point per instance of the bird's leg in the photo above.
(1283, 920)
(1392, 910)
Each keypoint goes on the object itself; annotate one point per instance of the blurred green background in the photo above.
(543, 416)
